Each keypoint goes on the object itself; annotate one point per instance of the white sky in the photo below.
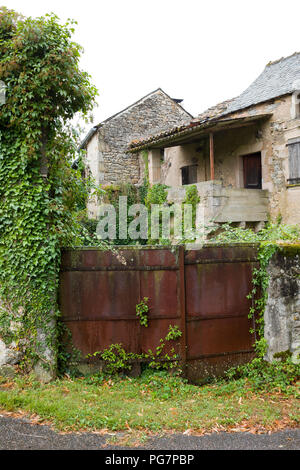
(202, 51)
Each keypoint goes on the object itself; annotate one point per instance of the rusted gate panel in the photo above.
(100, 290)
(217, 281)
(202, 291)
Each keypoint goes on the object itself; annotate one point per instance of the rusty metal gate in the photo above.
(202, 291)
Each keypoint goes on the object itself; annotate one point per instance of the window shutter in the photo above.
(294, 161)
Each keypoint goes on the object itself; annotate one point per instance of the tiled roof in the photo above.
(211, 114)
(277, 79)
(214, 111)
(179, 135)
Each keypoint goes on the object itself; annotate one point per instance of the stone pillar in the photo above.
(46, 368)
(282, 312)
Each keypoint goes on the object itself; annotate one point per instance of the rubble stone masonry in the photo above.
(106, 151)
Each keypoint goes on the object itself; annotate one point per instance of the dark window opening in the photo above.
(294, 161)
(189, 174)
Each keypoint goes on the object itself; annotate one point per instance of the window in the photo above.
(294, 161)
(189, 174)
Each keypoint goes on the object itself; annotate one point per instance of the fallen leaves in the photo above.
(7, 385)
(188, 432)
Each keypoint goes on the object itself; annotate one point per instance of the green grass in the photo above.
(154, 402)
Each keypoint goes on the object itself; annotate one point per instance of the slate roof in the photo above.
(276, 80)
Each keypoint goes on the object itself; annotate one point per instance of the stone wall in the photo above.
(221, 204)
(106, 150)
(270, 137)
(282, 313)
(8, 355)
(272, 142)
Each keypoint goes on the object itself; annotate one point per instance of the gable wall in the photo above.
(106, 151)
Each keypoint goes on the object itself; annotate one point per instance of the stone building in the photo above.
(243, 154)
(107, 143)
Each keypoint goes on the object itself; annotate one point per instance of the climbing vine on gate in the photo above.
(260, 283)
(142, 310)
(268, 240)
(116, 359)
(39, 191)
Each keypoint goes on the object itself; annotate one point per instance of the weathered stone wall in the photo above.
(229, 146)
(106, 151)
(222, 204)
(273, 138)
(147, 117)
(282, 313)
(269, 137)
(11, 354)
(8, 355)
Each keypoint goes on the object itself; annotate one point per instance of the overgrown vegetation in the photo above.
(135, 195)
(191, 198)
(142, 310)
(262, 375)
(268, 240)
(43, 206)
(282, 372)
(116, 360)
(154, 198)
(40, 194)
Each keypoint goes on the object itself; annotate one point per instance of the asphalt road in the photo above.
(19, 434)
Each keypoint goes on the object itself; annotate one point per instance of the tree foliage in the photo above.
(39, 191)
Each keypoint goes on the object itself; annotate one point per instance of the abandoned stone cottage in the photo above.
(243, 154)
(106, 144)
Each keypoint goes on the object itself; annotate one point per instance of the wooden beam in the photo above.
(211, 156)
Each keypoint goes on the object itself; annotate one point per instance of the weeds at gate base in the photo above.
(117, 360)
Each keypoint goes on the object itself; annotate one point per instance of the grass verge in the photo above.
(153, 403)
